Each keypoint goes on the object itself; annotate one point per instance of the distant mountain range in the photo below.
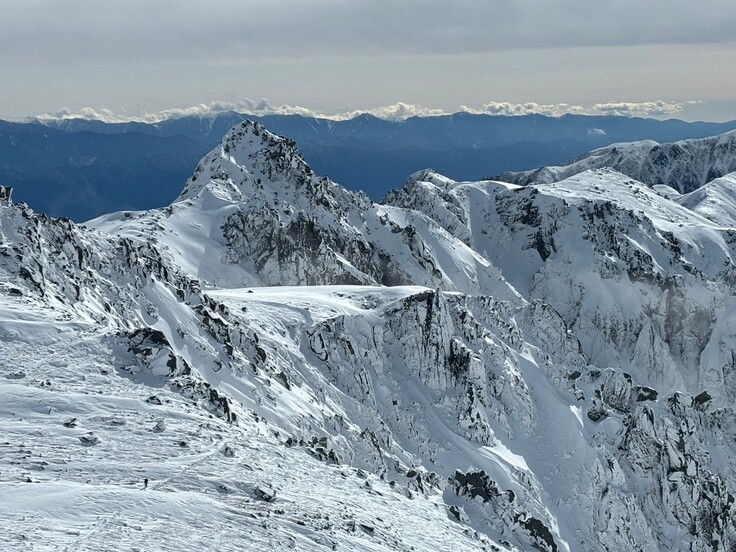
(82, 168)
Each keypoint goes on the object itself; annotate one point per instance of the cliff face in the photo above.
(644, 282)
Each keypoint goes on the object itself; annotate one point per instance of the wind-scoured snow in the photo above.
(204, 473)
(467, 366)
(715, 201)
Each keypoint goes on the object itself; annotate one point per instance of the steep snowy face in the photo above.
(684, 165)
(470, 398)
(644, 282)
(408, 383)
(97, 277)
(255, 214)
(715, 201)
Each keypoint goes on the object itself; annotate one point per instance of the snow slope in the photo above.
(205, 475)
(469, 365)
(716, 200)
(684, 165)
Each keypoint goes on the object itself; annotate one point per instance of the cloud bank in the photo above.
(641, 109)
(394, 112)
(529, 108)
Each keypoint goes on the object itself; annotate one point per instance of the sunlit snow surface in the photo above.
(58, 494)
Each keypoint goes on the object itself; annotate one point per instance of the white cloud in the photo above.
(84, 113)
(393, 112)
(596, 132)
(639, 109)
(657, 108)
(246, 105)
(529, 108)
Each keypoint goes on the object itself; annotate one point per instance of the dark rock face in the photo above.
(475, 484)
(644, 393)
(501, 504)
(597, 413)
(540, 534)
(5, 195)
(314, 251)
(147, 342)
(265, 492)
(702, 399)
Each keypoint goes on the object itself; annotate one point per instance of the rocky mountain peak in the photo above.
(5, 195)
(250, 143)
(250, 161)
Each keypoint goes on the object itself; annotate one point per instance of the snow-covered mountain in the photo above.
(468, 365)
(684, 165)
(635, 274)
(715, 200)
(254, 213)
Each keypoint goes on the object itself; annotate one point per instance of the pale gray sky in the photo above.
(133, 57)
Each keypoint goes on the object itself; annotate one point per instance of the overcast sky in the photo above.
(667, 58)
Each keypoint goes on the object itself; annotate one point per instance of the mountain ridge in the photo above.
(685, 165)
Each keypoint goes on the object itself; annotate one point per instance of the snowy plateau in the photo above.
(273, 362)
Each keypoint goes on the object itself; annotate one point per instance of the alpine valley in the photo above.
(275, 362)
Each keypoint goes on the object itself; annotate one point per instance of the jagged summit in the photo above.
(252, 163)
(715, 201)
(427, 175)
